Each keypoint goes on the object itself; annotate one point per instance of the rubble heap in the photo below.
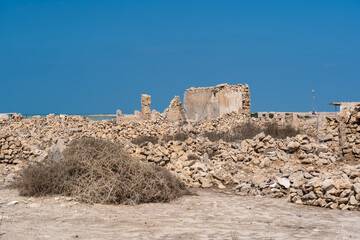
(319, 169)
(11, 150)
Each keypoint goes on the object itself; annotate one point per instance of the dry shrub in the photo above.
(280, 132)
(213, 154)
(98, 171)
(249, 130)
(216, 136)
(141, 140)
(193, 157)
(240, 132)
(180, 136)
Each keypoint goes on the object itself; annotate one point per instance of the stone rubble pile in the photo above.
(202, 163)
(320, 169)
(10, 149)
(337, 189)
(40, 133)
(230, 120)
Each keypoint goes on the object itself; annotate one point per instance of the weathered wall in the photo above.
(345, 106)
(146, 106)
(213, 102)
(349, 131)
(175, 112)
(119, 115)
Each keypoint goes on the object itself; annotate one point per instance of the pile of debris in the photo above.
(319, 169)
(202, 163)
(337, 189)
(13, 151)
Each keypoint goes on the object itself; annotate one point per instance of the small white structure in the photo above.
(345, 105)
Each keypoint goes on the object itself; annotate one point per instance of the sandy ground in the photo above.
(209, 215)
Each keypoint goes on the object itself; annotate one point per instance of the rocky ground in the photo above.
(315, 167)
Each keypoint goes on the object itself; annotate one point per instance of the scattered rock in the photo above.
(284, 182)
(12, 203)
(327, 184)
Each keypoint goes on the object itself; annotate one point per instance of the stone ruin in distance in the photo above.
(199, 104)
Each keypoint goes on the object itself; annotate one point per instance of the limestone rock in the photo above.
(327, 184)
(293, 146)
(56, 150)
(284, 182)
(353, 201)
(325, 138)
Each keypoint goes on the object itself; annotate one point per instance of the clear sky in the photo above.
(81, 57)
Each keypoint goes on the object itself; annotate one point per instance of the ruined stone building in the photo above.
(212, 102)
(146, 106)
(175, 112)
(199, 103)
(344, 105)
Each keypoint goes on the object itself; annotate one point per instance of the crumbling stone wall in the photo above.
(349, 128)
(175, 112)
(12, 150)
(146, 106)
(213, 102)
(342, 133)
(118, 115)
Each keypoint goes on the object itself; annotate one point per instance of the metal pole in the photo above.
(313, 92)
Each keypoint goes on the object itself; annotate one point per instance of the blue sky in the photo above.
(98, 56)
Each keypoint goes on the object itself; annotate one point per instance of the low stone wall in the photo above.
(349, 126)
(13, 151)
